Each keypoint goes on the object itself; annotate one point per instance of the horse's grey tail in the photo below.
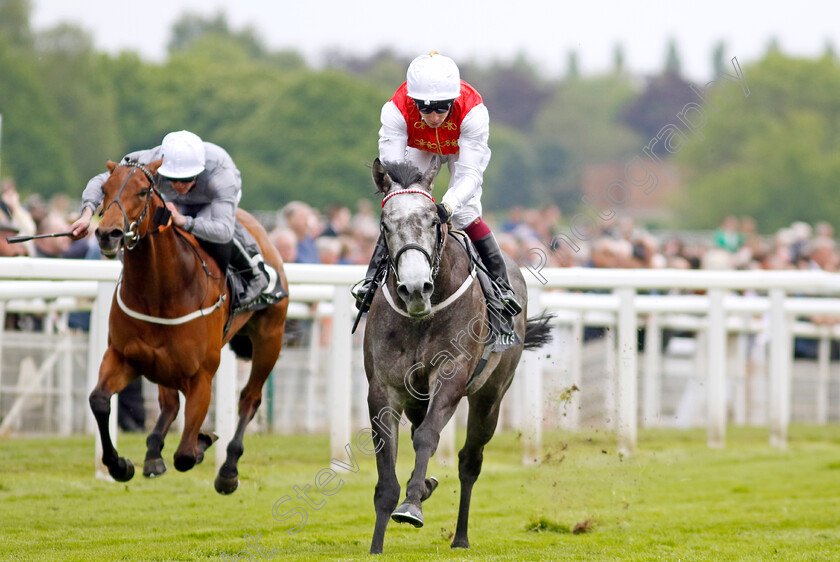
(537, 331)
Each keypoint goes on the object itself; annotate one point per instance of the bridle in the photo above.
(132, 237)
(131, 229)
(433, 260)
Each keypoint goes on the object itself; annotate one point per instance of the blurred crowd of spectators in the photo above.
(734, 245)
(341, 235)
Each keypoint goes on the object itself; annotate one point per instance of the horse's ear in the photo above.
(430, 175)
(381, 179)
(111, 166)
(153, 166)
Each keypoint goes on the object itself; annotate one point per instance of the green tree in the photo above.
(619, 60)
(658, 104)
(572, 65)
(191, 27)
(314, 141)
(719, 58)
(512, 177)
(138, 118)
(673, 63)
(14, 22)
(84, 95)
(513, 92)
(37, 157)
(384, 68)
(772, 154)
(579, 126)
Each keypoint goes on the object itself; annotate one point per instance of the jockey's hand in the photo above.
(82, 224)
(178, 219)
(444, 211)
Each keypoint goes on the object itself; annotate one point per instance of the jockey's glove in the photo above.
(444, 211)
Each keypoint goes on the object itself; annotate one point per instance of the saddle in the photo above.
(254, 284)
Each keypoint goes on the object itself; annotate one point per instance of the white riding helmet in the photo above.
(183, 155)
(433, 77)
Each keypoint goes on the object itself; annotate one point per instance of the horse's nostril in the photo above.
(428, 288)
(402, 291)
(107, 235)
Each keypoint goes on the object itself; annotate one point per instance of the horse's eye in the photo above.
(145, 192)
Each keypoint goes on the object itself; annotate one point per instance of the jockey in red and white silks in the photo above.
(435, 112)
(461, 141)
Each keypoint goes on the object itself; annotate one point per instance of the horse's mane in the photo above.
(403, 173)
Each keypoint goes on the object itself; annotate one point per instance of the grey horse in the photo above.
(426, 331)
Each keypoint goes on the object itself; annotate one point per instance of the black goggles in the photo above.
(439, 107)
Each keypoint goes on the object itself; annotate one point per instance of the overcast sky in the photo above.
(545, 31)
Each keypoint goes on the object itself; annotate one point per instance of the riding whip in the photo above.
(16, 239)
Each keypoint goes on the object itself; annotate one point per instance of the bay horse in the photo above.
(422, 349)
(167, 323)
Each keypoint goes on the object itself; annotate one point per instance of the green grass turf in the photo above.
(674, 499)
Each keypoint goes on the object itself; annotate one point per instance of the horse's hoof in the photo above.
(408, 513)
(123, 472)
(184, 463)
(460, 543)
(153, 468)
(226, 486)
(431, 486)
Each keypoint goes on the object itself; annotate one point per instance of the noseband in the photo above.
(433, 260)
(131, 229)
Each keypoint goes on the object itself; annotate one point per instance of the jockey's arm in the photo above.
(393, 138)
(216, 222)
(93, 195)
(473, 157)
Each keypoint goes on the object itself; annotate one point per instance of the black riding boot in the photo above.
(494, 261)
(252, 279)
(380, 252)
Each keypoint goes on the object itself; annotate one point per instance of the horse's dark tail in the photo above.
(537, 331)
(241, 346)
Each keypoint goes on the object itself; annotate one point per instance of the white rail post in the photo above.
(65, 384)
(226, 400)
(340, 372)
(532, 395)
(2, 332)
(611, 376)
(313, 374)
(570, 409)
(445, 453)
(740, 349)
(97, 344)
(627, 387)
(652, 405)
(716, 371)
(823, 370)
(779, 369)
